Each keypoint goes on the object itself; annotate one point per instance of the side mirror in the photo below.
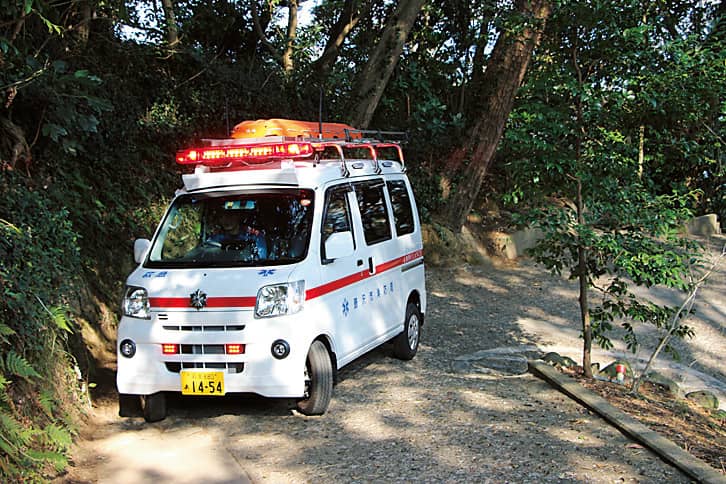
(338, 245)
(141, 247)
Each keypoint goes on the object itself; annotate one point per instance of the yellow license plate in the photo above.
(202, 382)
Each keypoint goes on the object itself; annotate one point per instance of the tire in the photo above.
(405, 345)
(318, 381)
(129, 405)
(154, 407)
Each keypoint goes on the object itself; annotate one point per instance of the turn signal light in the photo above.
(234, 349)
(169, 349)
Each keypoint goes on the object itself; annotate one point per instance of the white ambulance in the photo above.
(293, 249)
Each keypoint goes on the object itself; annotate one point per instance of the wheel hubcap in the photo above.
(413, 331)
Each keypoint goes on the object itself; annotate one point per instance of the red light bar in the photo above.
(221, 155)
(170, 348)
(234, 348)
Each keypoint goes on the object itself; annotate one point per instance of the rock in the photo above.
(609, 370)
(553, 359)
(704, 225)
(516, 244)
(704, 398)
(568, 362)
(663, 381)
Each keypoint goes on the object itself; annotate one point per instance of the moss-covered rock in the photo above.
(665, 382)
(703, 398)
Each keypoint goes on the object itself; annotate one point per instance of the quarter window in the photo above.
(373, 211)
(401, 203)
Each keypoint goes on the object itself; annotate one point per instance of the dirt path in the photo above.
(402, 421)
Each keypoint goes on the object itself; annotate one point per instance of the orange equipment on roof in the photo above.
(290, 127)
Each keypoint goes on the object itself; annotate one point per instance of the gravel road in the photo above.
(392, 421)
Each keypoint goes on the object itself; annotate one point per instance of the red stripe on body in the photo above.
(212, 302)
(250, 301)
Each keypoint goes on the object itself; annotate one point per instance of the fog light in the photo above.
(280, 349)
(127, 348)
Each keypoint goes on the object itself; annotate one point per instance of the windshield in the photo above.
(243, 229)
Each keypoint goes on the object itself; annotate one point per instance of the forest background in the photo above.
(581, 117)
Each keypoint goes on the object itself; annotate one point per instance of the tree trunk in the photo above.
(84, 26)
(284, 58)
(172, 29)
(373, 79)
(582, 278)
(502, 78)
(14, 149)
(352, 12)
(287, 62)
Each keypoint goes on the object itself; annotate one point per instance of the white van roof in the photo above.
(289, 161)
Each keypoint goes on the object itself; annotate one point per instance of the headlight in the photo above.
(136, 303)
(280, 299)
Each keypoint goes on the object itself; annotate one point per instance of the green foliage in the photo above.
(15, 364)
(613, 104)
(104, 115)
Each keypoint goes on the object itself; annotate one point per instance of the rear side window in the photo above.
(373, 211)
(401, 203)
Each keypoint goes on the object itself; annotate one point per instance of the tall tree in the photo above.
(172, 29)
(282, 56)
(350, 14)
(374, 77)
(503, 76)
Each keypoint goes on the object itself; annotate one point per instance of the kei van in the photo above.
(292, 249)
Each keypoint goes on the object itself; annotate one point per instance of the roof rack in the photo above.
(356, 135)
(258, 142)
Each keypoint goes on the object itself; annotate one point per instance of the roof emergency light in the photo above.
(221, 155)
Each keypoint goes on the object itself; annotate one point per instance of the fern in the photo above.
(47, 402)
(57, 437)
(13, 431)
(5, 331)
(19, 366)
(4, 382)
(59, 314)
(59, 460)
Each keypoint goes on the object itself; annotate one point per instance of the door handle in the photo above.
(371, 268)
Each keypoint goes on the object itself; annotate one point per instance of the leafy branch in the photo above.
(679, 317)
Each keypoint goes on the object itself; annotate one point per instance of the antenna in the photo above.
(320, 114)
(226, 112)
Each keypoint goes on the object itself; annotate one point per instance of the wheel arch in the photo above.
(415, 298)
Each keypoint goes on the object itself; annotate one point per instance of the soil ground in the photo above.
(413, 421)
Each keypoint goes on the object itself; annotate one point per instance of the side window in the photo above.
(337, 213)
(373, 211)
(401, 203)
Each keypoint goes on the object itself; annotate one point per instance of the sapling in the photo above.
(679, 317)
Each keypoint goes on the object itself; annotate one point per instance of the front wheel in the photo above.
(318, 381)
(405, 345)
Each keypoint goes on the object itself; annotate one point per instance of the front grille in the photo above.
(201, 349)
(176, 366)
(202, 328)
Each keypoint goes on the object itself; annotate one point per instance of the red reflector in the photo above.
(235, 349)
(220, 155)
(169, 349)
